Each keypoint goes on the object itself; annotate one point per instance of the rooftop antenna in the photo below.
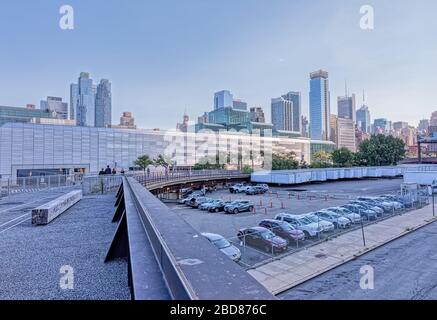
(345, 87)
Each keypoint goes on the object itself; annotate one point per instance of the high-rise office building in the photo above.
(223, 99)
(295, 97)
(346, 107)
(103, 106)
(239, 105)
(346, 134)
(55, 104)
(74, 99)
(333, 119)
(282, 114)
(363, 119)
(304, 126)
(320, 110)
(423, 127)
(382, 126)
(257, 115)
(83, 96)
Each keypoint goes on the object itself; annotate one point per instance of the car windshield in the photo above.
(267, 235)
(305, 220)
(222, 243)
(313, 218)
(286, 227)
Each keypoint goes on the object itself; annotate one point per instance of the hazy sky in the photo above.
(166, 56)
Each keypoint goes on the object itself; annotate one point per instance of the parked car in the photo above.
(387, 206)
(198, 201)
(185, 192)
(309, 228)
(379, 211)
(255, 190)
(206, 205)
(263, 238)
(224, 245)
(190, 198)
(326, 225)
(397, 205)
(238, 188)
(239, 206)
(337, 220)
(353, 217)
(218, 206)
(264, 186)
(365, 213)
(283, 230)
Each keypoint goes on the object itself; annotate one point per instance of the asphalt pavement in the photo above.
(404, 269)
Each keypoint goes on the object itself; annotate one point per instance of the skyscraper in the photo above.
(223, 99)
(257, 115)
(297, 109)
(103, 106)
(74, 98)
(363, 119)
(239, 105)
(346, 107)
(282, 114)
(83, 96)
(346, 134)
(320, 110)
(55, 105)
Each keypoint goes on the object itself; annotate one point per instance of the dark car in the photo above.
(263, 239)
(283, 229)
(218, 206)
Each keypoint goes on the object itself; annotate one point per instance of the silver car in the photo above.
(224, 245)
(353, 217)
(326, 225)
(337, 220)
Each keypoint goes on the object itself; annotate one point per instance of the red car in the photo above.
(263, 239)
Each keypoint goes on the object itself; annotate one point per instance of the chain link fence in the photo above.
(261, 246)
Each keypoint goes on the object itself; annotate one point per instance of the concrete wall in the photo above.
(331, 174)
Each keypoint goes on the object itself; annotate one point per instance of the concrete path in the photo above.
(290, 271)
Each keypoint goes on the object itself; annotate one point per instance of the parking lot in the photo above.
(298, 200)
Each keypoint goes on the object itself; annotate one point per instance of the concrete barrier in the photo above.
(46, 213)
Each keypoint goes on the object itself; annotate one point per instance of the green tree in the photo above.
(284, 161)
(343, 157)
(381, 150)
(143, 162)
(247, 170)
(162, 161)
(321, 159)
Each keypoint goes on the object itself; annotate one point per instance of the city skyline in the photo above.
(178, 63)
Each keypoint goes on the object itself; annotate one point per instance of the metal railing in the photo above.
(184, 257)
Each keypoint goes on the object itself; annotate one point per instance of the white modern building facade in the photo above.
(51, 149)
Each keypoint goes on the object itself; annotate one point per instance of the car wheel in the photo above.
(251, 208)
(307, 234)
(236, 211)
(267, 249)
(217, 210)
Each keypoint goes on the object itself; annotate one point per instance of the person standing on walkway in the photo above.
(108, 170)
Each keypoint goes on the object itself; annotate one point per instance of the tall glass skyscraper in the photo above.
(282, 114)
(295, 98)
(103, 104)
(346, 107)
(320, 109)
(223, 99)
(84, 100)
(363, 119)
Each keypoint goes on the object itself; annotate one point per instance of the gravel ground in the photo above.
(32, 256)
(404, 269)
